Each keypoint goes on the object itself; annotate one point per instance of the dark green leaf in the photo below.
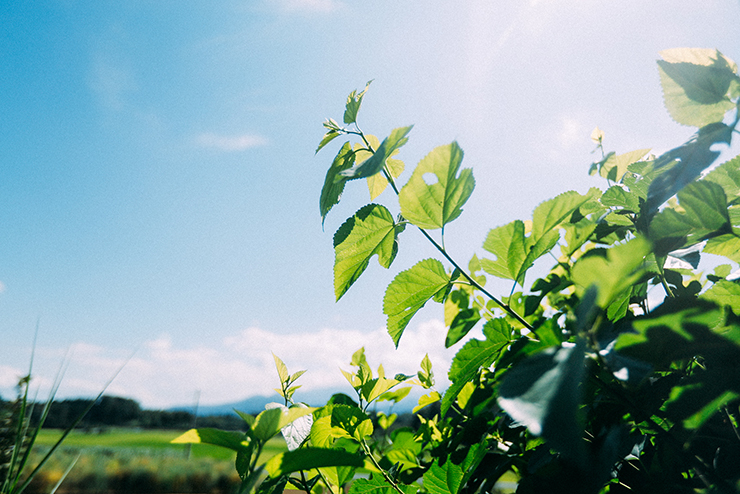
(332, 189)
(543, 393)
(433, 205)
(409, 291)
(704, 213)
(375, 163)
(377, 485)
(476, 354)
(688, 161)
(328, 137)
(354, 101)
(371, 231)
(461, 325)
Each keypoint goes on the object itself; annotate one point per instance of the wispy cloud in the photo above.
(110, 81)
(230, 143)
(306, 6)
(165, 373)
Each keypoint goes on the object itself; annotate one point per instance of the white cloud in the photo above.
(230, 143)
(164, 373)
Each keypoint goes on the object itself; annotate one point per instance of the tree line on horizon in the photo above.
(116, 411)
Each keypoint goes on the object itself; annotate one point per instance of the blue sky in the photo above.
(159, 189)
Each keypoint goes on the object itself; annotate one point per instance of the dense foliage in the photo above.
(615, 372)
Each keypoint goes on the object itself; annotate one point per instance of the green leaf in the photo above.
(352, 420)
(270, 421)
(433, 205)
(476, 354)
(552, 213)
(377, 183)
(374, 388)
(615, 166)
(443, 479)
(704, 208)
(426, 400)
(354, 101)
(377, 485)
(727, 245)
(328, 137)
(695, 84)
(396, 395)
(687, 162)
(724, 293)
(514, 252)
(727, 175)
(332, 189)
(507, 244)
(409, 291)
(543, 393)
(680, 330)
(235, 441)
(371, 231)
(375, 163)
(426, 375)
(282, 369)
(461, 325)
(308, 458)
(611, 271)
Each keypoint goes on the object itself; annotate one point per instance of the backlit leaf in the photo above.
(615, 167)
(371, 231)
(507, 244)
(308, 458)
(409, 291)
(437, 190)
(235, 441)
(426, 400)
(612, 271)
(727, 175)
(725, 293)
(354, 101)
(695, 84)
(443, 479)
(727, 245)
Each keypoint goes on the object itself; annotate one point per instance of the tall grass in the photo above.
(18, 435)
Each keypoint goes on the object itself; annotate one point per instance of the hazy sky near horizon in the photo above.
(159, 188)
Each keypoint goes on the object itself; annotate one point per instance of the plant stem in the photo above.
(387, 477)
(469, 278)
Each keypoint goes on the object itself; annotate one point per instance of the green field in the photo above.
(145, 441)
(121, 461)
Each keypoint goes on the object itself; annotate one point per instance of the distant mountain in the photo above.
(319, 397)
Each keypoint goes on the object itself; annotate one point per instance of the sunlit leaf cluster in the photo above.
(615, 372)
